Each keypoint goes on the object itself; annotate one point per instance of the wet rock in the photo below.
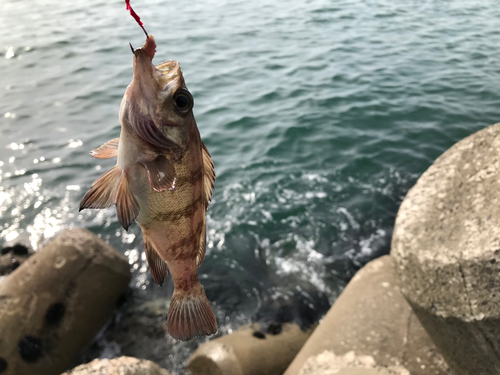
(242, 353)
(299, 302)
(447, 246)
(141, 330)
(372, 318)
(328, 363)
(56, 302)
(119, 366)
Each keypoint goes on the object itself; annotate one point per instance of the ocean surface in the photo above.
(319, 116)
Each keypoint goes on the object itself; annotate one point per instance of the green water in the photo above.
(319, 115)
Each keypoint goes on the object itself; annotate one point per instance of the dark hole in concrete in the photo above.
(3, 365)
(121, 300)
(259, 335)
(274, 328)
(55, 313)
(20, 250)
(5, 250)
(30, 348)
(17, 249)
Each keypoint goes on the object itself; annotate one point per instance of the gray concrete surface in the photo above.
(372, 318)
(447, 246)
(56, 301)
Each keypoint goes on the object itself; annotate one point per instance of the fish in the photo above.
(163, 180)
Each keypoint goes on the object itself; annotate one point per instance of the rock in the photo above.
(119, 366)
(327, 363)
(447, 246)
(142, 331)
(244, 353)
(57, 301)
(372, 318)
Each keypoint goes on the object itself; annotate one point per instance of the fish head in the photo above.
(158, 94)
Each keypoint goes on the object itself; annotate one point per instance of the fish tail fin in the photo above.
(190, 314)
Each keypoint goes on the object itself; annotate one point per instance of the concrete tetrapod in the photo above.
(447, 245)
(119, 366)
(243, 353)
(328, 363)
(57, 301)
(372, 318)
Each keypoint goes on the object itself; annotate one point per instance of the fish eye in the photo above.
(183, 101)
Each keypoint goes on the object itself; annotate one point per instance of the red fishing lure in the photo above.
(136, 16)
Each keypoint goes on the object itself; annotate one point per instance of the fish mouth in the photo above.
(170, 75)
(144, 70)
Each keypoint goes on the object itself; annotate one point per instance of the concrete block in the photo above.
(447, 246)
(372, 318)
(56, 301)
(119, 366)
(248, 351)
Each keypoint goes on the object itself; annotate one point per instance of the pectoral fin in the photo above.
(209, 173)
(127, 207)
(159, 268)
(161, 174)
(106, 151)
(103, 191)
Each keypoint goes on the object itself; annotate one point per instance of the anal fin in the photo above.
(158, 266)
(127, 207)
(103, 191)
(106, 151)
(161, 174)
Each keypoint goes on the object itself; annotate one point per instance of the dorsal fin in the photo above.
(208, 185)
(161, 174)
(209, 173)
(102, 193)
(127, 207)
(157, 265)
(106, 151)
